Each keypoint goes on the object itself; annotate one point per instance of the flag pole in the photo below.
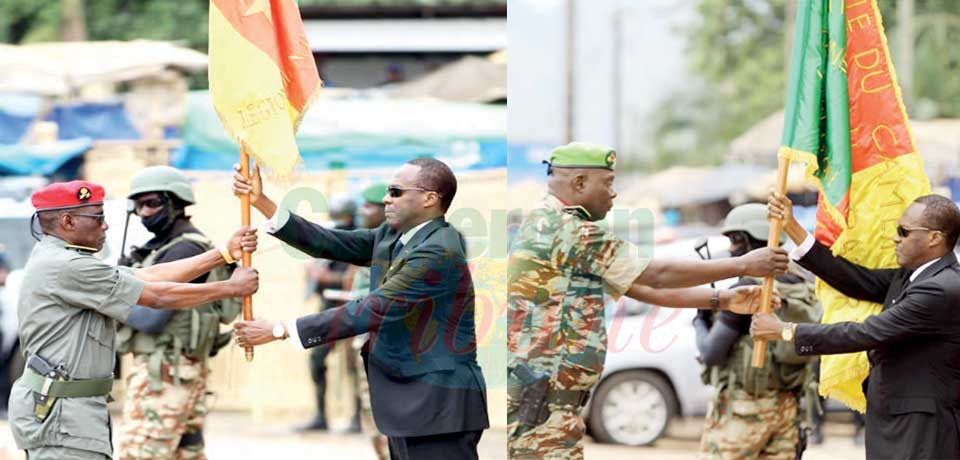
(773, 241)
(247, 257)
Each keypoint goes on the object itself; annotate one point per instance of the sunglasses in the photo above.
(397, 192)
(99, 217)
(904, 232)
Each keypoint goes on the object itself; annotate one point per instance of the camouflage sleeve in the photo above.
(593, 249)
(87, 282)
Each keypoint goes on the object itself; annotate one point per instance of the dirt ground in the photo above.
(233, 435)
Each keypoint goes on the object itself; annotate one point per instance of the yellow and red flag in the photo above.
(262, 77)
(845, 118)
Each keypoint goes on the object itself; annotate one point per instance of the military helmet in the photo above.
(750, 218)
(162, 179)
(342, 206)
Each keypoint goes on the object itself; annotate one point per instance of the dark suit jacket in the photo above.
(421, 352)
(913, 390)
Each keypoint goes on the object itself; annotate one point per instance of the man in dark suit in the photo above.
(913, 389)
(427, 392)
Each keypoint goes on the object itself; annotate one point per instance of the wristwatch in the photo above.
(787, 332)
(280, 331)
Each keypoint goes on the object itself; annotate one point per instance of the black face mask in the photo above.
(160, 222)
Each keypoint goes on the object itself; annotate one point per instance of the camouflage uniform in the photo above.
(741, 426)
(155, 420)
(559, 266)
(165, 403)
(754, 413)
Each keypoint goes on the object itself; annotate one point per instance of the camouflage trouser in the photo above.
(740, 426)
(559, 438)
(155, 421)
(63, 453)
(380, 443)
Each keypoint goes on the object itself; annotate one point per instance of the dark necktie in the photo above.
(396, 250)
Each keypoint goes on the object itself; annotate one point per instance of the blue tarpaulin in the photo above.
(93, 120)
(17, 112)
(13, 127)
(362, 133)
(40, 159)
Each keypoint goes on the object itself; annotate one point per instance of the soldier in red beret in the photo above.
(69, 305)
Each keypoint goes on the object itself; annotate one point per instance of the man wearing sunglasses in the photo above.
(69, 304)
(562, 262)
(427, 392)
(913, 344)
(165, 407)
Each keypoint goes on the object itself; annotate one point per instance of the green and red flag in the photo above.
(845, 118)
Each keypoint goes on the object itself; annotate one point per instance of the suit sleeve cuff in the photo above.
(279, 219)
(294, 335)
(802, 249)
(801, 346)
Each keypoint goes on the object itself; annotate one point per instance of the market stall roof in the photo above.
(361, 130)
(937, 140)
(57, 69)
(470, 79)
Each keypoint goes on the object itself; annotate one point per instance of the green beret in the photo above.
(375, 193)
(583, 155)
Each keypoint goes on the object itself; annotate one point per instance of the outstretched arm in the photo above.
(185, 270)
(926, 310)
(162, 294)
(685, 273)
(743, 300)
(423, 281)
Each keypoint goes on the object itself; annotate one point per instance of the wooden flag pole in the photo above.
(247, 257)
(773, 241)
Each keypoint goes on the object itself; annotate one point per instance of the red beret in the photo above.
(62, 195)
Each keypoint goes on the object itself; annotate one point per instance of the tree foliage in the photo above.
(27, 21)
(737, 53)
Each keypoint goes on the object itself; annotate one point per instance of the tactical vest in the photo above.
(193, 332)
(784, 369)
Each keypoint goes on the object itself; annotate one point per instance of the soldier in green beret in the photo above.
(559, 266)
